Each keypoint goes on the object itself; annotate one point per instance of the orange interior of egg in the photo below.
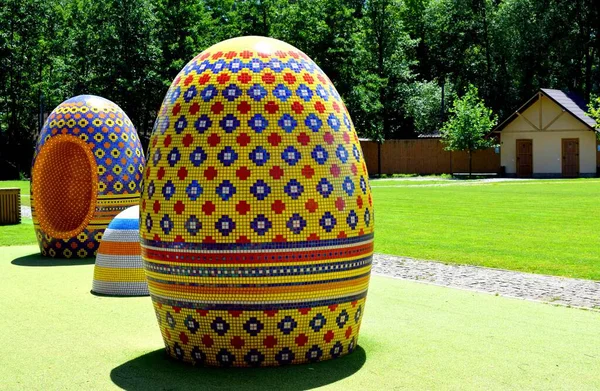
(64, 183)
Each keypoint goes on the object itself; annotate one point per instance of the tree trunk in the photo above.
(470, 163)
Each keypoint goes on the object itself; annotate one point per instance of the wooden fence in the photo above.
(10, 206)
(425, 156)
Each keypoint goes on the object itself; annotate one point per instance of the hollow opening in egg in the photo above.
(64, 186)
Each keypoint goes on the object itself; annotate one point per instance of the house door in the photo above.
(570, 157)
(524, 158)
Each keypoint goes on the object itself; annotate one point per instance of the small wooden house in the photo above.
(549, 136)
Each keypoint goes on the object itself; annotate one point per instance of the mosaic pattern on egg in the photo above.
(87, 167)
(256, 212)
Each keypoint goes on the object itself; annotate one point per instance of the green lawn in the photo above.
(549, 227)
(56, 335)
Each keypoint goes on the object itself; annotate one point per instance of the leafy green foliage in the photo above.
(469, 126)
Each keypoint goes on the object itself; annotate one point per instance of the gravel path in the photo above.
(550, 289)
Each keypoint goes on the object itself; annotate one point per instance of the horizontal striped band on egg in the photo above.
(119, 274)
(256, 270)
(121, 235)
(120, 288)
(259, 304)
(116, 261)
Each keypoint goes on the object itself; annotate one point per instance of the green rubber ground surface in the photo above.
(56, 335)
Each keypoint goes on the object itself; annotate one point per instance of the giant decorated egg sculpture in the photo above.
(87, 168)
(256, 213)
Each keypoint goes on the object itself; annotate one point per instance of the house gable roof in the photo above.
(568, 101)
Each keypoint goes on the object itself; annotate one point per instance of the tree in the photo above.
(594, 113)
(469, 126)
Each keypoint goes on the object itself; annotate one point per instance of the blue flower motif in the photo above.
(198, 156)
(164, 125)
(226, 190)
(198, 355)
(208, 93)
(151, 189)
(308, 65)
(342, 319)
(322, 92)
(294, 65)
(156, 157)
(313, 122)
(203, 123)
(191, 324)
(220, 326)
(168, 190)
(225, 225)
(166, 224)
(358, 314)
(296, 223)
(367, 217)
(291, 155)
(203, 66)
(218, 66)
(229, 123)
(261, 225)
(253, 326)
(175, 94)
(336, 349)
(254, 357)
(173, 157)
(294, 189)
(194, 190)
(257, 92)
(363, 184)
(180, 124)
(333, 122)
(328, 221)
(193, 225)
(260, 189)
(324, 187)
(256, 65)
(341, 153)
(333, 92)
(318, 322)
(225, 358)
(259, 156)
(287, 325)
(320, 154)
(314, 353)
(348, 186)
(287, 123)
(235, 65)
(347, 122)
(285, 356)
(232, 92)
(356, 152)
(276, 65)
(190, 93)
(170, 320)
(149, 222)
(282, 93)
(227, 156)
(258, 123)
(304, 92)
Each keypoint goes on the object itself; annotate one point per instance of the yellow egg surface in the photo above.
(256, 212)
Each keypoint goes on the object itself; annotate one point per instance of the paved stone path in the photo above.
(550, 289)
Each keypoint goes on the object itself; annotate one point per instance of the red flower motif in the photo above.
(274, 139)
(182, 173)
(319, 107)
(205, 78)
(179, 207)
(303, 138)
(308, 171)
(340, 204)
(242, 207)
(183, 338)
(279, 239)
(278, 207)
(342, 235)
(167, 140)
(242, 173)
(161, 173)
(328, 336)
(213, 140)
(311, 205)
(335, 170)
(289, 78)
(308, 78)
(194, 108)
(176, 109)
(187, 140)
(208, 208)
(237, 342)
(268, 78)
(223, 78)
(244, 78)
(359, 202)
(301, 339)
(156, 206)
(328, 137)
(271, 107)
(217, 107)
(270, 341)
(276, 172)
(210, 173)
(297, 107)
(243, 139)
(188, 80)
(244, 107)
(348, 332)
(243, 239)
(231, 54)
(207, 340)
(246, 54)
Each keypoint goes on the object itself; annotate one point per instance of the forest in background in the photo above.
(389, 59)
